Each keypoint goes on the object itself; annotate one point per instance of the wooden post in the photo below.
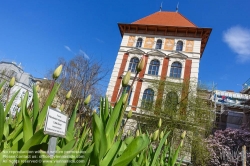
(244, 162)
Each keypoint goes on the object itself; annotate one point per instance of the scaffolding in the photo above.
(230, 108)
(246, 87)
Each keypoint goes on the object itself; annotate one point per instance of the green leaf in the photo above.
(99, 137)
(83, 138)
(9, 104)
(133, 149)
(27, 125)
(129, 139)
(2, 120)
(111, 154)
(101, 109)
(111, 122)
(106, 112)
(20, 115)
(86, 156)
(43, 113)
(141, 157)
(16, 139)
(35, 107)
(158, 150)
(175, 157)
(6, 130)
(72, 120)
(16, 132)
(134, 163)
(34, 140)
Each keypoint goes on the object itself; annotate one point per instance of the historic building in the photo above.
(173, 47)
(23, 82)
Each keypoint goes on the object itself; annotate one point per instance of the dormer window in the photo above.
(158, 44)
(139, 42)
(179, 46)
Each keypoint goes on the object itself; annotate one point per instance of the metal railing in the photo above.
(246, 85)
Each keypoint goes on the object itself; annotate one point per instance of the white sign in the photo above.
(56, 123)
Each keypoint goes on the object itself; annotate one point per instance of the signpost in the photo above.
(56, 126)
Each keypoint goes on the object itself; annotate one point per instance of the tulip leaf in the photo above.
(34, 140)
(99, 137)
(83, 138)
(113, 118)
(72, 119)
(111, 154)
(2, 120)
(35, 107)
(158, 150)
(6, 129)
(133, 149)
(106, 111)
(43, 113)
(27, 125)
(16, 132)
(9, 104)
(175, 156)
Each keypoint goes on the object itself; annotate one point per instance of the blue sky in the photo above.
(37, 33)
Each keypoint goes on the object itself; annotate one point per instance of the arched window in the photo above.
(154, 67)
(179, 46)
(126, 89)
(139, 42)
(171, 101)
(132, 64)
(175, 71)
(158, 44)
(147, 99)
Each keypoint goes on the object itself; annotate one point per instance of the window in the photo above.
(13, 74)
(179, 46)
(147, 99)
(154, 67)
(31, 82)
(158, 44)
(175, 71)
(126, 89)
(139, 42)
(171, 101)
(132, 64)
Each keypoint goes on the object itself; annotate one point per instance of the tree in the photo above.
(225, 146)
(81, 76)
(183, 107)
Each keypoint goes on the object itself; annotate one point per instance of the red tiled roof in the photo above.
(166, 19)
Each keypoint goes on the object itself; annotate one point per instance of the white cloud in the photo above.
(67, 48)
(81, 52)
(224, 77)
(238, 39)
(99, 40)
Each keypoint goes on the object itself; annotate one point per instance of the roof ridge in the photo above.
(169, 18)
(144, 17)
(187, 19)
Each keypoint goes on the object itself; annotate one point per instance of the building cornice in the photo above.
(193, 32)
